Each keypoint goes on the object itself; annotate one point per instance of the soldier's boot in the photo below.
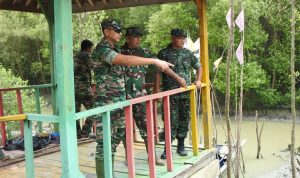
(158, 161)
(180, 147)
(100, 171)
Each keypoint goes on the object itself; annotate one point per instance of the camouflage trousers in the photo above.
(139, 114)
(179, 115)
(85, 98)
(117, 132)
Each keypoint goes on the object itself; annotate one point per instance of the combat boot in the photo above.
(180, 147)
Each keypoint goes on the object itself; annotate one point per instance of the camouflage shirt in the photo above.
(183, 60)
(110, 84)
(135, 76)
(83, 65)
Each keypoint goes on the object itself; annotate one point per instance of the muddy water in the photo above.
(275, 138)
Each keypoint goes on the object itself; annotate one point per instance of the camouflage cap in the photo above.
(133, 31)
(178, 32)
(106, 23)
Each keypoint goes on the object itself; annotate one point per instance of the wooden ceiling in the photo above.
(79, 5)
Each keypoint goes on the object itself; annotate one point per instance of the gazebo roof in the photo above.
(79, 5)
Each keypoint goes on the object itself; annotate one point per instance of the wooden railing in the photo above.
(20, 106)
(105, 112)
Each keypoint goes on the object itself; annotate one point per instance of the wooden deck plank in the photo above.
(50, 165)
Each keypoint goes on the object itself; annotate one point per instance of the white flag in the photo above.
(228, 18)
(240, 53)
(217, 62)
(240, 20)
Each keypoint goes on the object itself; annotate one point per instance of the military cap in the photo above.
(178, 32)
(133, 31)
(116, 26)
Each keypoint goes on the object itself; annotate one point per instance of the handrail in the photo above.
(105, 111)
(17, 117)
(27, 87)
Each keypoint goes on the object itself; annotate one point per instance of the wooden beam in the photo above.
(91, 3)
(206, 104)
(14, 1)
(78, 3)
(121, 1)
(105, 2)
(27, 3)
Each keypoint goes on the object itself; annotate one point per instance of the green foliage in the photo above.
(255, 77)
(24, 42)
(161, 23)
(24, 45)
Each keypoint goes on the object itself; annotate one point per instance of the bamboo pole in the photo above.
(227, 95)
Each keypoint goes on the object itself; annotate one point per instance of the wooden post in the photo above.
(38, 108)
(150, 133)
(3, 130)
(28, 149)
(129, 141)
(20, 109)
(194, 121)
(64, 86)
(168, 141)
(206, 104)
(107, 145)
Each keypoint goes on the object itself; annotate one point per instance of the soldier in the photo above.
(83, 65)
(135, 80)
(110, 83)
(183, 60)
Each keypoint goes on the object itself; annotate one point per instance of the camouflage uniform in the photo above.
(110, 88)
(135, 80)
(83, 65)
(183, 60)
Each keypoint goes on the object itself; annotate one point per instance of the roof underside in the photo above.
(79, 5)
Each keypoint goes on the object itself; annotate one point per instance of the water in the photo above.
(275, 138)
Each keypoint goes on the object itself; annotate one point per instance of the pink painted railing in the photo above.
(151, 127)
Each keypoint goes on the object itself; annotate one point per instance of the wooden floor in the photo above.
(49, 166)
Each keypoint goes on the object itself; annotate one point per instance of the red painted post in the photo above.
(168, 142)
(3, 130)
(129, 141)
(150, 133)
(155, 121)
(20, 109)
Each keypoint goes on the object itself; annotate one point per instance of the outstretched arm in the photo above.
(128, 60)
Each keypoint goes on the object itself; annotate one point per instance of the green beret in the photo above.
(178, 32)
(133, 31)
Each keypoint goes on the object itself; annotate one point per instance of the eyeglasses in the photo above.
(118, 30)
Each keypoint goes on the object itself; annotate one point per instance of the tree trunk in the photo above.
(227, 95)
(293, 96)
